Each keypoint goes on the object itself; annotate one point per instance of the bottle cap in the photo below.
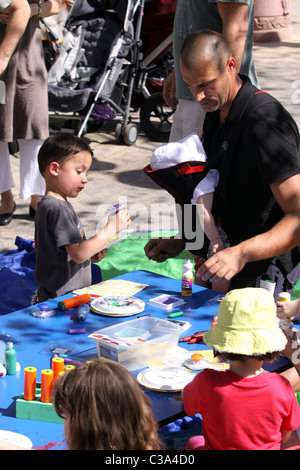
(10, 345)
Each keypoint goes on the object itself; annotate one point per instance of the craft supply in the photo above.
(116, 208)
(76, 331)
(110, 287)
(29, 383)
(117, 305)
(284, 297)
(175, 314)
(42, 311)
(47, 381)
(184, 325)
(197, 338)
(2, 371)
(198, 334)
(187, 278)
(10, 359)
(57, 366)
(82, 312)
(68, 367)
(74, 301)
(268, 285)
(16, 439)
(166, 301)
(165, 379)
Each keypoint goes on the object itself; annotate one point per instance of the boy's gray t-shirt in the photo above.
(57, 225)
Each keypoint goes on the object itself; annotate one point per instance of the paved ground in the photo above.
(117, 170)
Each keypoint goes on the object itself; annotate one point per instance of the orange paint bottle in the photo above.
(29, 383)
(74, 301)
(47, 381)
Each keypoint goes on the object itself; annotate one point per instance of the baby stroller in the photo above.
(98, 68)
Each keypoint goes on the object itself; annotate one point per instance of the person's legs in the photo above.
(6, 184)
(32, 184)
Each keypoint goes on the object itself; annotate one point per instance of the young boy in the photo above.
(63, 254)
(243, 408)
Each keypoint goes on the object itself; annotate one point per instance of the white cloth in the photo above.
(31, 180)
(188, 117)
(189, 148)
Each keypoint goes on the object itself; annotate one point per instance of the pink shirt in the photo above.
(242, 413)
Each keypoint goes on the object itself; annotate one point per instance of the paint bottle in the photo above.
(74, 301)
(29, 383)
(82, 312)
(187, 278)
(268, 285)
(10, 358)
(287, 325)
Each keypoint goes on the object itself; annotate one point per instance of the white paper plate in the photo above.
(16, 439)
(117, 305)
(165, 379)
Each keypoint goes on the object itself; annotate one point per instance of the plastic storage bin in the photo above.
(135, 343)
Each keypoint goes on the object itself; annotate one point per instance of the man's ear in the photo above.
(231, 64)
(53, 168)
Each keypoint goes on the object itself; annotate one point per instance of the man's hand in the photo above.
(223, 265)
(160, 249)
(169, 91)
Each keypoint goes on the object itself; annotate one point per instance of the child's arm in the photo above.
(209, 225)
(289, 309)
(285, 435)
(80, 252)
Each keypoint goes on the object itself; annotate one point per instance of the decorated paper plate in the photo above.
(16, 439)
(117, 305)
(165, 379)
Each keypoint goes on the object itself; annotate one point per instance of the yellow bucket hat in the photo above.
(246, 324)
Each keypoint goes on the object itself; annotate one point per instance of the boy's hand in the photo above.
(99, 256)
(119, 221)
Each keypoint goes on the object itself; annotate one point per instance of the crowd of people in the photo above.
(253, 144)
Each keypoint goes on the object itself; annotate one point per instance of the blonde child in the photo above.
(243, 408)
(63, 254)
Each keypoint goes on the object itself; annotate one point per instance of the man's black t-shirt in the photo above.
(257, 144)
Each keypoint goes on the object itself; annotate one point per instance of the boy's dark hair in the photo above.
(267, 357)
(59, 147)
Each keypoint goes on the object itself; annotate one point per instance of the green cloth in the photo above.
(129, 255)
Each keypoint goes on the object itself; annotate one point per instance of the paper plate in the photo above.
(16, 439)
(117, 305)
(165, 379)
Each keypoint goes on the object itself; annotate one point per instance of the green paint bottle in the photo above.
(10, 359)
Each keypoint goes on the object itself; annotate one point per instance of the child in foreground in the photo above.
(243, 408)
(104, 408)
(63, 254)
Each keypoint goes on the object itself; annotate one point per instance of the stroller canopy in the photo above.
(86, 9)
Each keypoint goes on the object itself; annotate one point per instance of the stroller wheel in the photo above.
(130, 134)
(156, 118)
(119, 133)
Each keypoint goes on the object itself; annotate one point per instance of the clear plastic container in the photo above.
(136, 343)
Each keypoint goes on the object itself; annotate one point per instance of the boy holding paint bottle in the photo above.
(63, 254)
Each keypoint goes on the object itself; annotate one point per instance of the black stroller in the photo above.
(99, 69)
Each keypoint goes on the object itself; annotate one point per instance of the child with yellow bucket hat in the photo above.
(243, 407)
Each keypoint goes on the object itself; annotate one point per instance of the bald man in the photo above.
(254, 143)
